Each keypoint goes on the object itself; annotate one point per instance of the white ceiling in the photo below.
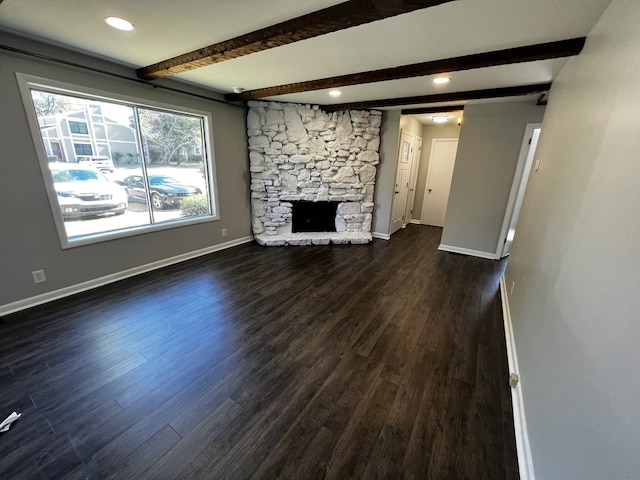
(166, 28)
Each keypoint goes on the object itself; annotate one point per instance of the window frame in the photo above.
(27, 82)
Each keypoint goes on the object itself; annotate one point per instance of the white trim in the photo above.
(415, 222)
(467, 251)
(114, 277)
(381, 236)
(525, 160)
(525, 461)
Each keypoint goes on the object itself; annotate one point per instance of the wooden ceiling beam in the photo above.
(426, 110)
(443, 97)
(529, 53)
(332, 19)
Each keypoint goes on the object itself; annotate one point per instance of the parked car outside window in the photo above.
(166, 192)
(85, 192)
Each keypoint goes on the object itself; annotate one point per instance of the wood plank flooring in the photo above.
(382, 361)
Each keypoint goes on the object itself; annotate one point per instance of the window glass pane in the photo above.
(78, 127)
(89, 188)
(135, 167)
(82, 148)
(99, 133)
(177, 177)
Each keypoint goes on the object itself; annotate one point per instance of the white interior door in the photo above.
(436, 192)
(403, 175)
(413, 178)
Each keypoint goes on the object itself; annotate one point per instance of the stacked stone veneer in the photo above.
(299, 152)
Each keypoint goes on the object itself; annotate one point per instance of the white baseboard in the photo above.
(114, 277)
(525, 461)
(467, 251)
(415, 222)
(382, 236)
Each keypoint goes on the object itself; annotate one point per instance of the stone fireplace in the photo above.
(301, 156)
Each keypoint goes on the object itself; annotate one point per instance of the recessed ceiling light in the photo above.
(119, 23)
(335, 93)
(441, 80)
(440, 118)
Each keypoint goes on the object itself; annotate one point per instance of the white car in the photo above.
(85, 192)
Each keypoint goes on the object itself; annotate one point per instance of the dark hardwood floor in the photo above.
(379, 361)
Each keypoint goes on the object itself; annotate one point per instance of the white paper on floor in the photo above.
(6, 423)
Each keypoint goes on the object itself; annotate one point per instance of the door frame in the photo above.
(525, 162)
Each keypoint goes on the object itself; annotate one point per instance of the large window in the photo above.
(154, 169)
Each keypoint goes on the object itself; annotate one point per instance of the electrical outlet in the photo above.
(39, 276)
(224, 232)
(513, 285)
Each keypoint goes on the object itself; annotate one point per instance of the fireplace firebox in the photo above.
(313, 216)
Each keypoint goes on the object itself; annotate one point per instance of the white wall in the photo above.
(28, 239)
(576, 264)
(488, 150)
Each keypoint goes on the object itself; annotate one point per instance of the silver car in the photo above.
(85, 192)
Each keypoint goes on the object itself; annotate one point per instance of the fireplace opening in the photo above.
(313, 216)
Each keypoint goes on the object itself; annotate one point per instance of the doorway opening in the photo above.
(417, 132)
(518, 188)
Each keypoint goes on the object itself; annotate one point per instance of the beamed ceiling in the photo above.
(379, 53)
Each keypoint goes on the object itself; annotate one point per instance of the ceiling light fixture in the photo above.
(440, 118)
(238, 90)
(335, 93)
(119, 23)
(440, 80)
